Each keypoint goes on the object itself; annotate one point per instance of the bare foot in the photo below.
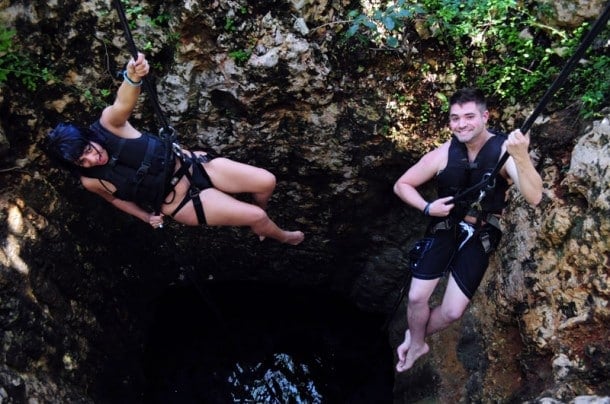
(402, 350)
(293, 237)
(415, 352)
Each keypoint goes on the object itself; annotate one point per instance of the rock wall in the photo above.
(269, 83)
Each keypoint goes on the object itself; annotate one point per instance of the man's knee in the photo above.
(417, 296)
(452, 313)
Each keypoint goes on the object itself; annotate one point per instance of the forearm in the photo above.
(529, 181)
(521, 169)
(132, 209)
(410, 195)
(116, 115)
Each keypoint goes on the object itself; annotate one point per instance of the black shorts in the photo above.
(441, 252)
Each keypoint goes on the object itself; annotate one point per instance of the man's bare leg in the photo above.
(451, 309)
(418, 314)
(403, 348)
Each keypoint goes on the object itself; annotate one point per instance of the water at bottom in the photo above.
(262, 343)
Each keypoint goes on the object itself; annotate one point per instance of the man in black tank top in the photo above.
(459, 247)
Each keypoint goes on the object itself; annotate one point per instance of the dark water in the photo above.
(261, 343)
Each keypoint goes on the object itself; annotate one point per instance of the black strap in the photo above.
(473, 192)
(166, 133)
(115, 156)
(198, 181)
(145, 166)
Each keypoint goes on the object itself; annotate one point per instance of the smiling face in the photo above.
(467, 121)
(93, 155)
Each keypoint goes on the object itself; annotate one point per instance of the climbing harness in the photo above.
(477, 192)
(198, 180)
(136, 167)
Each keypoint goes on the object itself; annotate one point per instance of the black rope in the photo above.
(166, 133)
(134, 53)
(563, 75)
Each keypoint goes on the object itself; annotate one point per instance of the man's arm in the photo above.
(115, 117)
(520, 168)
(423, 171)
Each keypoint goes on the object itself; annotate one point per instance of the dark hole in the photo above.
(253, 342)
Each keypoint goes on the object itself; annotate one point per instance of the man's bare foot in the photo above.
(415, 352)
(293, 237)
(403, 349)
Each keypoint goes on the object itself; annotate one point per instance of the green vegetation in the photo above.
(240, 56)
(500, 46)
(149, 31)
(384, 24)
(16, 65)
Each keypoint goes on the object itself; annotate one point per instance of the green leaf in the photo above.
(352, 30)
(389, 23)
(392, 41)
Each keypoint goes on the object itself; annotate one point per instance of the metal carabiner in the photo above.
(477, 204)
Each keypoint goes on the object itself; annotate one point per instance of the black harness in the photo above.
(135, 167)
(198, 180)
(461, 173)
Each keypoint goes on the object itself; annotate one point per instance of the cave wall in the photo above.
(77, 275)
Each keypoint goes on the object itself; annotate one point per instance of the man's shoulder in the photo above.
(437, 157)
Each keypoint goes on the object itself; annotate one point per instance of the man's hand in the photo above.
(441, 207)
(517, 145)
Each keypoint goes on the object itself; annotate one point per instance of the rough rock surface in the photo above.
(268, 83)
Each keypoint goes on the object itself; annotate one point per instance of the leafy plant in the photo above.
(230, 24)
(498, 45)
(15, 64)
(151, 25)
(240, 56)
(383, 24)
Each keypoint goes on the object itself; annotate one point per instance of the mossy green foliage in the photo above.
(16, 65)
(500, 46)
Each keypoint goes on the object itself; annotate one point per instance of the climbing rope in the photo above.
(166, 133)
(134, 53)
(478, 190)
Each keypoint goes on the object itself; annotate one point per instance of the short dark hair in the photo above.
(469, 94)
(67, 142)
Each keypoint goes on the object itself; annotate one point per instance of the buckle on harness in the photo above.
(178, 151)
(194, 192)
(142, 171)
(170, 133)
(444, 225)
(485, 242)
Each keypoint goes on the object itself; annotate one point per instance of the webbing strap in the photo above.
(561, 78)
(115, 156)
(166, 133)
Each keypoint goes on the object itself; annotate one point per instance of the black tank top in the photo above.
(136, 167)
(461, 174)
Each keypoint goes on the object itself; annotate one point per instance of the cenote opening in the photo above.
(251, 342)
